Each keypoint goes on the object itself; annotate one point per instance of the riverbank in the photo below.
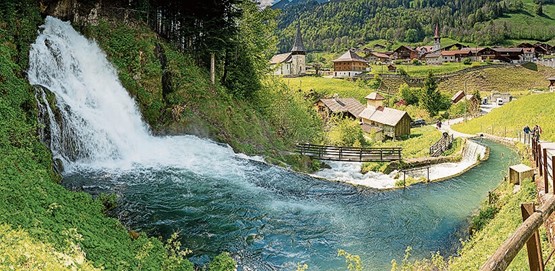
(421, 170)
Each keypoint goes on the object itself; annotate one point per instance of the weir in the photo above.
(267, 217)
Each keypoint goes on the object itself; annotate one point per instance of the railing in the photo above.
(445, 143)
(533, 218)
(350, 154)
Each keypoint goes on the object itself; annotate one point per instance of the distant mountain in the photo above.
(283, 4)
(341, 24)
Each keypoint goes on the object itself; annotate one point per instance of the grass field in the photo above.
(417, 145)
(512, 117)
(543, 26)
(507, 79)
(330, 86)
(423, 70)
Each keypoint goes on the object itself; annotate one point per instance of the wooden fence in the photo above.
(350, 154)
(441, 145)
(533, 217)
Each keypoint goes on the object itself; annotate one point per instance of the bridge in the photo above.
(350, 154)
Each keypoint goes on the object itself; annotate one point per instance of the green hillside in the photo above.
(339, 25)
(512, 117)
(504, 79)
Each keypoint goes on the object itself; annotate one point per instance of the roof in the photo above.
(520, 168)
(403, 46)
(434, 54)
(374, 96)
(427, 48)
(340, 105)
(507, 50)
(529, 50)
(551, 78)
(469, 97)
(383, 115)
(350, 56)
(457, 96)
(280, 58)
(379, 55)
(298, 45)
(455, 52)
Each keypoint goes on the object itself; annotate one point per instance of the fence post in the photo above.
(428, 168)
(340, 153)
(545, 174)
(533, 245)
(538, 157)
(553, 172)
(360, 157)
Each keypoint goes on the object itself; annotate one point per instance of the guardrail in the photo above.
(350, 154)
(533, 217)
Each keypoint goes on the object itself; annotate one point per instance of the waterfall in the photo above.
(473, 152)
(97, 123)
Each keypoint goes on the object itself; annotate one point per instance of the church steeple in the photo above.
(437, 39)
(298, 46)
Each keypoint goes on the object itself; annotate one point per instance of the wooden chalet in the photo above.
(387, 122)
(349, 64)
(374, 57)
(509, 55)
(341, 107)
(405, 53)
(454, 55)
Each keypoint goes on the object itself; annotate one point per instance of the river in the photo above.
(267, 217)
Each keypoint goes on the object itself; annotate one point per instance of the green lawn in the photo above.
(417, 145)
(512, 117)
(330, 86)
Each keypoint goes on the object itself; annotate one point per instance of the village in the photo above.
(382, 116)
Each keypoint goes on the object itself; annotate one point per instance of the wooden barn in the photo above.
(388, 122)
(393, 123)
(405, 53)
(342, 107)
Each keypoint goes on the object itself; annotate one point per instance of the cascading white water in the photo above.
(472, 152)
(101, 125)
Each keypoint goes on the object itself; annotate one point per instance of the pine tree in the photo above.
(431, 98)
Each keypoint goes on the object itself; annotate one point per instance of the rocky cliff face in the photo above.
(79, 12)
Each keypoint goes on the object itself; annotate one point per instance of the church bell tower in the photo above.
(298, 55)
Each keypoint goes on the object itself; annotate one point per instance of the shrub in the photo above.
(467, 61)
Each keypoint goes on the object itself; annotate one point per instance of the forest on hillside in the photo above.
(337, 25)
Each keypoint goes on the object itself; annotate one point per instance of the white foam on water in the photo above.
(349, 172)
(101, 126)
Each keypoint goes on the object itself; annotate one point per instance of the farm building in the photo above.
(349, 64)
(387, 122)
(342, 107)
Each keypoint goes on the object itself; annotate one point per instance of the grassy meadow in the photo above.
(330, 86)
(516, 79)
(422, 71)
(510, 118)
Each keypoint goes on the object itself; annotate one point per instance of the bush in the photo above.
(222, 262)
(416, 62)
(467, 61)
(485, 215)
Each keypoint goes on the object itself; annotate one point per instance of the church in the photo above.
(291, 63)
